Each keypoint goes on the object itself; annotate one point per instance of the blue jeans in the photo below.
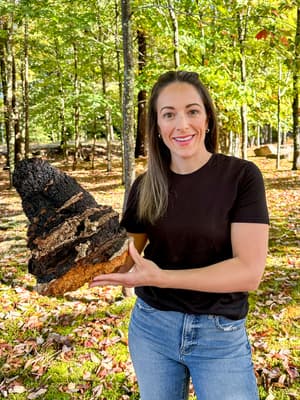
(168, 348)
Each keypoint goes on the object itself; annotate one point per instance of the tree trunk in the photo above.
(76, 108)
(62, 117)
(203, 55)
(26, 90)
(128, 99)
(296, 109)
(119, 75)
(107, 114)
(19, 140)
(7, 24)
(10, 110)
(175, 34)
(3, 65)
(94, 141)
(140, 144)
(242, 32)
(118, 50)
(278, 119)
(258, 136)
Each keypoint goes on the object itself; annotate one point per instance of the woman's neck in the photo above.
(187, 166)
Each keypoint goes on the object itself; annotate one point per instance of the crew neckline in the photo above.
(208, 162)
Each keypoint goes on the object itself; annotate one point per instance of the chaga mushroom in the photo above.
(71, 237)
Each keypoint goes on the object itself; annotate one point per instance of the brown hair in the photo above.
(153, 194)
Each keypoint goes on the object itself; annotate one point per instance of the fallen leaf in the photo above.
(37, 394)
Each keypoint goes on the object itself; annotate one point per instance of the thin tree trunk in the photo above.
(258, 136)
(296, 110)
(278, 118)
(3, 66)
(26, 90)
(19, 140)
(242, 32)
(107, 114)
(175, 34)
(94, 141)
(62, 117)
(203, 55)
(128, 99)
(76, 108)
(119, 74)
(118, 50)
(63, 129)
(7, 82)
(140, 144)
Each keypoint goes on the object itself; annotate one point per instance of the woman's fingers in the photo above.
(114, 279)
(144, 272)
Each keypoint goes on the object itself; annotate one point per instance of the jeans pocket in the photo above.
(229, 325)
(141, 305)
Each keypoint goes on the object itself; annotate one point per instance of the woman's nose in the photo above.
(181, 122)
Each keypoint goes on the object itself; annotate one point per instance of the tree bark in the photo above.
(26, 89)
(128, 99)
(278, 117)
(7, 24)
(296, 109)
(3, 66)
(175, 34)
(242, 32)
(62, 117)
(140, 144)
(19, 140)
(76, 108)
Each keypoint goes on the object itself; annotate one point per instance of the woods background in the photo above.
(78, 71)
(75, 77)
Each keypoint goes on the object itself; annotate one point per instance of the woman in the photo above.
(201, 219)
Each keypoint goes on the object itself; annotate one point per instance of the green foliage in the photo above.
(208, 43)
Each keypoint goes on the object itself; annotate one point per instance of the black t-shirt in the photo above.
(195, 230)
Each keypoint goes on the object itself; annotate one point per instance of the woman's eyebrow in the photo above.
(173, 108)
(168, 107)
(194, 104)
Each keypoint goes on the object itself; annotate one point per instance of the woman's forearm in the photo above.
(227, 276)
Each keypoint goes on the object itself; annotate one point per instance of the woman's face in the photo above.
(182, 122)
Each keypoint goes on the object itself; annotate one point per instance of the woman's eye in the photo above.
(168, 115)
(194, 112)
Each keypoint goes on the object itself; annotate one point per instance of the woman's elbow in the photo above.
(254, 279)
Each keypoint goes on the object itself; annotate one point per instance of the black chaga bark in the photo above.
(71, 237)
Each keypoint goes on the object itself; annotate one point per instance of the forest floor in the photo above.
(76, 347)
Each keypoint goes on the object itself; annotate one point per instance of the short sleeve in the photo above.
(251, 204)
(130, 220)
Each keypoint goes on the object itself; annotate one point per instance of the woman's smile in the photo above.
(184, 139)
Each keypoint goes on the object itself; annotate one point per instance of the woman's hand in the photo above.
(143, 273)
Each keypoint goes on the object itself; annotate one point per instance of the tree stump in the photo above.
(71, 237)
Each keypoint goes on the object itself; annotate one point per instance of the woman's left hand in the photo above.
(143, 273)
